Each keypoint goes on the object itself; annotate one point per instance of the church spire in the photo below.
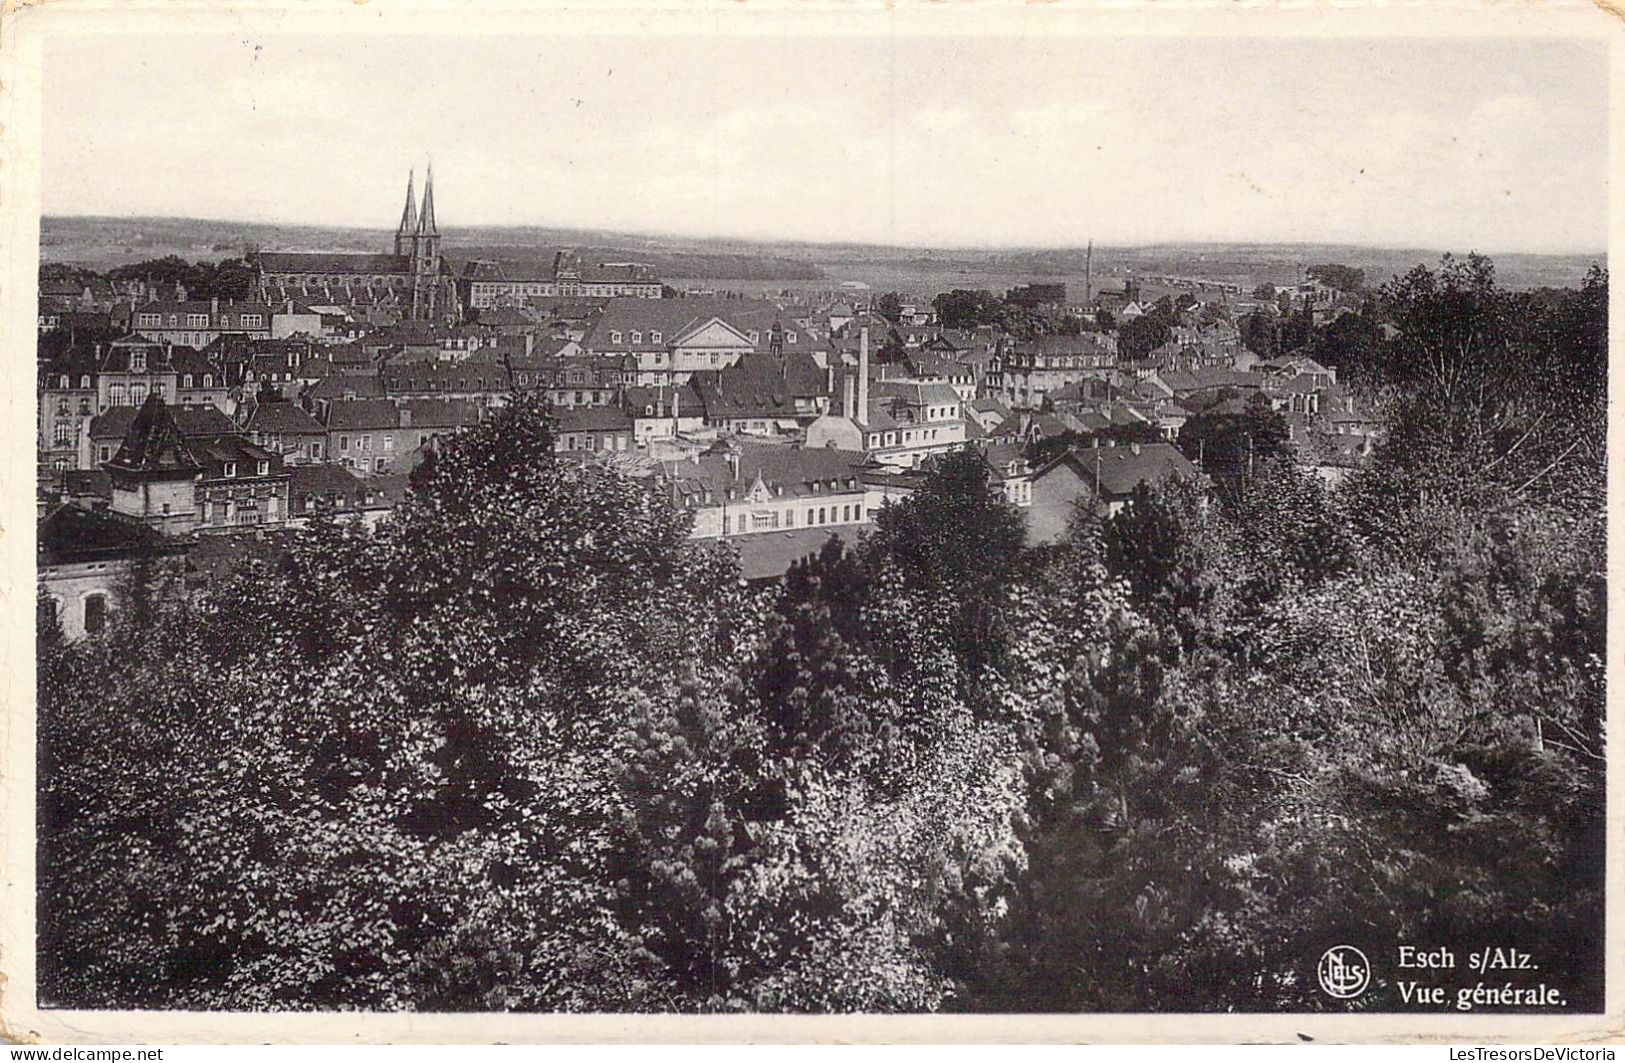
(409, 216)
(426, 226)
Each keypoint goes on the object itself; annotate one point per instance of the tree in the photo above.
(1333, 275)
(1140, 336)
(952, 547)
(1231, 446)
(1260, 333)
(965, 309)
(890, 306)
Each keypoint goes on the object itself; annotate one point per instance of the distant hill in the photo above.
(102, 243)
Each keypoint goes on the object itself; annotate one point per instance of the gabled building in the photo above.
(671, 339)
(1097, 480)
(742, 488)
(197, 323)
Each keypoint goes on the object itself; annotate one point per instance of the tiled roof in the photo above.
(591, 419)
(362, 415)
(1122, 469)
(153, 442)
(341, 387)
(330, 262)
(69, 534)
(438, 413)
(792, 470)
(283, 418)
(192, 422)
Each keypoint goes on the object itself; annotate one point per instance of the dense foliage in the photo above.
(528, 746)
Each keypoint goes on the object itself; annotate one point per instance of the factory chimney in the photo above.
(863, 374)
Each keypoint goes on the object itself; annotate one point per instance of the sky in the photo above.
(1499, 145)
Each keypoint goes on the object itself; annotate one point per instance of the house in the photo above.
(284, 428)
(241, 485)
(488, 284)
(1010, 475)
(742, 488)
(131, 368)
(764, 393)
(662, 413)
(593, 429)
(1032, 369)
(197, 323)
(671, 339)
(1098, 480)
(84, 559)
(369, 435)
(327, 488)
(68, 399)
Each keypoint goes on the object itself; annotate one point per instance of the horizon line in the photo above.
(805, 242)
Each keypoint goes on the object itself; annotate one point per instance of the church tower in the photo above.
(409, 220)
(426, 257)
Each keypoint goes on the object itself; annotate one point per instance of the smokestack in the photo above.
(849, 404)
(863, 374)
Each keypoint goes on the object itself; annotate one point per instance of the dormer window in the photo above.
(264, 468)
(229, 469)
(654, 337)
(615, 336)
(138, 361)
(789, 337)
(64, 382)
(637, 336)
(186, 381)
(84, 381)
(208, 380)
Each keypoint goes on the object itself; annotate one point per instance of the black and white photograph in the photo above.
(802, 512)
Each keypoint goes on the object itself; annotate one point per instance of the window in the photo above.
(61, 434)
(654, 337)
(251, 321)
(344, 442)
(186, 381)
(380, 464)
(363, 443)
(208, 380)
(264, 468)
(197, 320)
(84, 381)
(95, 614)
(637, 336)
(230, 469)
(104, 453)
(615, 336)
(138, 361)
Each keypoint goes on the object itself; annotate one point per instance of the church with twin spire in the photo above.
(412, 283)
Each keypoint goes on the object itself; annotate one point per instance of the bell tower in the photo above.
(426, 256)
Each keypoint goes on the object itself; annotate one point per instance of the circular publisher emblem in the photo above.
(1344, 972)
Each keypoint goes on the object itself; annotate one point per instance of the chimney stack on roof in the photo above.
(863, 374)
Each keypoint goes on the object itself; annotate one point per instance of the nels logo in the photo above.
(1344, 972)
